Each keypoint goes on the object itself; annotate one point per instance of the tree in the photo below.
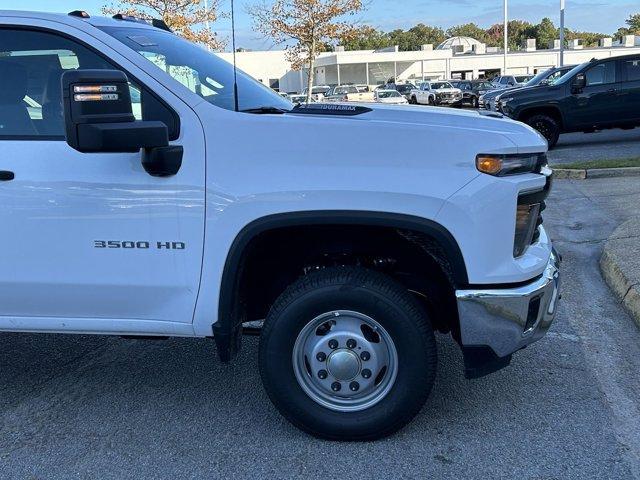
(185, 17)
(309, 23)
(634, 24)
(546, 32)
(518, 31)
(364, 38)
(589, 39)
(468, 30)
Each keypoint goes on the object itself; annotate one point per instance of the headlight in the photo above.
(502, 165)
(504, 100)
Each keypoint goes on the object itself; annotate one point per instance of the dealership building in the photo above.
(457, 57)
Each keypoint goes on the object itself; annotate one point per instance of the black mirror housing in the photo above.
(579, 81)
(98, 114)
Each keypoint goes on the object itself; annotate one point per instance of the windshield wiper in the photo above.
(264, 110)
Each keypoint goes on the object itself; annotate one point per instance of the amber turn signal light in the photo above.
(489, 164)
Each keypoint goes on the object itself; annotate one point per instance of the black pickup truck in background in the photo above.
(597, 95)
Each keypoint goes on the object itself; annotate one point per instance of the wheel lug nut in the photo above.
(354, 386)
(351, 343)
(333, 344)
(366, 373)
(322, 374)
(321, 356)
(365, 356)
(335, 386)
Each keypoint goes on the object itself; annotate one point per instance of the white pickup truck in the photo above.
(198, 217)
(348, 93)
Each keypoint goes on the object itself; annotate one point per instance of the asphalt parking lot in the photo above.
(568, 407)
(602, 145)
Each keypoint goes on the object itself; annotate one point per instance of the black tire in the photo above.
(372, 294)
(413, 100)
(476, 102)
(547, 126)
(431, 101)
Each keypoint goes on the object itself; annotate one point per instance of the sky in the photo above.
(604, 16)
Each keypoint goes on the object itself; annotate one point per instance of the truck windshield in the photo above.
(204, 73)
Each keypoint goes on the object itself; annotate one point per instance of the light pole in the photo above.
(562, 33)
(506, 37)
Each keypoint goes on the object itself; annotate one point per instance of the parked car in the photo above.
(318, 92)
(487, 101)
(200, 217)
(596, 95)
(472, 90)
(347, 93)
(389, 96)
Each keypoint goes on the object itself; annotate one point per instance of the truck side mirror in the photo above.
(579, 82)
(98, 117)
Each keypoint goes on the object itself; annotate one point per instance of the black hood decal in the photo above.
(329, 109)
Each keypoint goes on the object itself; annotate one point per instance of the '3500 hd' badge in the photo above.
(141, 245)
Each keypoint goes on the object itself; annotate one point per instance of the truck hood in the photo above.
(537, 90)
(456, 121)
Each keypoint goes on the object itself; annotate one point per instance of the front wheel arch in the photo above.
(227, 328)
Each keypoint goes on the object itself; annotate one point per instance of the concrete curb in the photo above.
(620, 265)
(582, 174)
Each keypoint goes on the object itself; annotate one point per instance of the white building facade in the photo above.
(460, 57)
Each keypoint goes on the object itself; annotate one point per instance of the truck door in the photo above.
(598, 104)
(91, 242)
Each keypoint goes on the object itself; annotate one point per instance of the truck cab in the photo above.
(150, 189)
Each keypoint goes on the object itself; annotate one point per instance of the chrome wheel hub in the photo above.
(343, 364)
(345, 361)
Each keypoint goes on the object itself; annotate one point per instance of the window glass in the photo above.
(31, 67)
(631, 70)
(203, 72)
(601, 74)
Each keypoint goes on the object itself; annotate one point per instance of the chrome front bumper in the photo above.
(509, 319)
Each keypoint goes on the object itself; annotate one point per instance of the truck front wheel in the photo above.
(347, 354)
(547, 126)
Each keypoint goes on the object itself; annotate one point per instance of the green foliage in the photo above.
(468, 30)
(368, 38)
(589, 39)
(545, 32)
(634, 24)
(364, 38)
